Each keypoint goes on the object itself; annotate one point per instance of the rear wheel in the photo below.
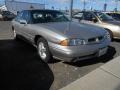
(43, 50)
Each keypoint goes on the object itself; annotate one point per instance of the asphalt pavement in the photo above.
(106, 77)
(22, 69)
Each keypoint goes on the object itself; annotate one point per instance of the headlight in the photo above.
(73, 42)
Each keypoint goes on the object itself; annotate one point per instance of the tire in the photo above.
(111, 34)
(43, 50)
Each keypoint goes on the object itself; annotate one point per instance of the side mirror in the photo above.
(23, 22)
(94, 20)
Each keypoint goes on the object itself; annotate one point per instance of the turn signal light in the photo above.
(64, 43)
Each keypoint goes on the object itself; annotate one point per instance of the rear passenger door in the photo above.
(29, 30)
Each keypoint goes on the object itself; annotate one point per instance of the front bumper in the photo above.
(76, 53)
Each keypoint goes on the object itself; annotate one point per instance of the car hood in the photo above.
(114, 22)
(75, 30)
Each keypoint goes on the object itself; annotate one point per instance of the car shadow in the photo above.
(116, 40)
(117, 87)
(21, 67)
(107, 57)
(53, 61)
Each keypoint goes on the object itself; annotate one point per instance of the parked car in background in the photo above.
(57, 37)
(115, 15)
(16, 7)
(1, 18)
(6, 15)
(100, 19)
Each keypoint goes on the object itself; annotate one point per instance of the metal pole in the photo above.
(71, 7)
(116, 4)
(44, 4)
(84, 5)
(92, 3)
(105, 5)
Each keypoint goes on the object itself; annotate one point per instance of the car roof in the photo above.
(42, 10)
(87, 11)
(90, 11)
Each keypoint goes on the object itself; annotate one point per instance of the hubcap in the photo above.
(42, 50)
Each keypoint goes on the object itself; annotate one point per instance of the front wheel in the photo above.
(43, 50)
(110, 34)
(15, 36)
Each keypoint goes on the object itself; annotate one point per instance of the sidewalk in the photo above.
(106, 77)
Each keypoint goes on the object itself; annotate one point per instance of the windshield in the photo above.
(48, 16)
(104, 17)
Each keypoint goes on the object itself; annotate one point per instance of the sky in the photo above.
(78, 4)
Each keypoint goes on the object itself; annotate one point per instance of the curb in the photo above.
(106, 77)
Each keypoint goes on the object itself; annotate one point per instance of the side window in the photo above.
(88, 16)
(38, 17)
(19, 16)
(24, 15)
(116, 16)
(110, 14)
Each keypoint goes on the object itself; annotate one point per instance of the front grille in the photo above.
(95, 39)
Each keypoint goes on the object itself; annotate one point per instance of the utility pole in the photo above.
(52, 7)
(71, 7)
(84, 6)
(105, 6)
(45, 4)
(116, 6)
(92, 3)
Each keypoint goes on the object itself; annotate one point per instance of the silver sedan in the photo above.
(57, 37)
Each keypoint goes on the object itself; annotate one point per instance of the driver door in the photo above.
(26, 28)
